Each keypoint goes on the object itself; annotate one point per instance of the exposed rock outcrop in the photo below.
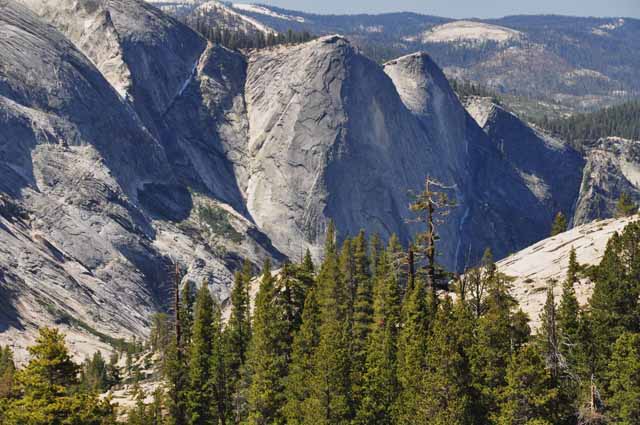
(548, 259)
(93, 215)
(550, 168)
(612, 168)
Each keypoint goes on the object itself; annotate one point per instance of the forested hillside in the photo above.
(372, 335)
(617, 121)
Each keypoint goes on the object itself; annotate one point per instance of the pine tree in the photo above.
(94, 374)
(187, 302)
(625, 206)
(568, 311)
(624, 380)
(380, 387)
(142, 414)
(500, 331)
(559, 224)
(307, 270)
(238, 330)
(431, 206)
(330, 401)
(375, 248)
(200, 397)
(47, 389)
(267, 360)
(175, 372)
(362, 313)
(348, 271)
(570, 341)
(548, 337)
(446, 394)
(237, 337)
(615, 306)
(530, 396)
(219, 370)
(7, 372)
(412, 352)
(301, 367)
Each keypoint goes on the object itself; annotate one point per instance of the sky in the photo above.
(467, 8)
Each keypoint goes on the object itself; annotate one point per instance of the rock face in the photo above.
(550, 168)
(92, 213)
(330, 139)
(612, 168)
(548, 259)
(127, 143)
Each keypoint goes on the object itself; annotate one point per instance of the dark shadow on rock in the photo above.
(166, 202)
(9, 316)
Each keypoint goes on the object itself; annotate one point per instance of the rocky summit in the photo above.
(129, 143)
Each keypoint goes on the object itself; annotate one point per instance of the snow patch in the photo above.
(252, 8)
(469, 31)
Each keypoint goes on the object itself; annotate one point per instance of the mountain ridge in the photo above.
(220, 156)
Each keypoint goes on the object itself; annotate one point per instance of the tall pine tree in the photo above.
(267, 359)
(380, 386)
(331, 401)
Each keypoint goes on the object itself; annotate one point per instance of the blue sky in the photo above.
(467, 8)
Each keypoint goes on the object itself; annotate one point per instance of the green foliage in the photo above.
(362, 314)
(465, 89)
(7, 372)
(621, 121)
(530, 396)
(412, 352)
(501, 330)
(237, 336)
(559, 224)
(446, 393)
(161, 335)
(216, 33)
(143, 414)
(267, 357)
(615, 304)
(301, 368)
(47, 389)
(217, 222)
(205, 397)
(569, 310)
(187, 303)
(624, 380)
(369, 345)
(330, 401)
(380, 384)
(97, 375)
(625, 206)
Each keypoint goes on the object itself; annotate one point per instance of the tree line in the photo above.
(620, 121)
(380, 334)
(239, 39)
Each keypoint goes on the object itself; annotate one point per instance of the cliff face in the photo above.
(612, 168)
(92, 211)
(330, 139)
(127, 143)
(548, 167)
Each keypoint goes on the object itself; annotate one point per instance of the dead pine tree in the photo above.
(431, 206)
